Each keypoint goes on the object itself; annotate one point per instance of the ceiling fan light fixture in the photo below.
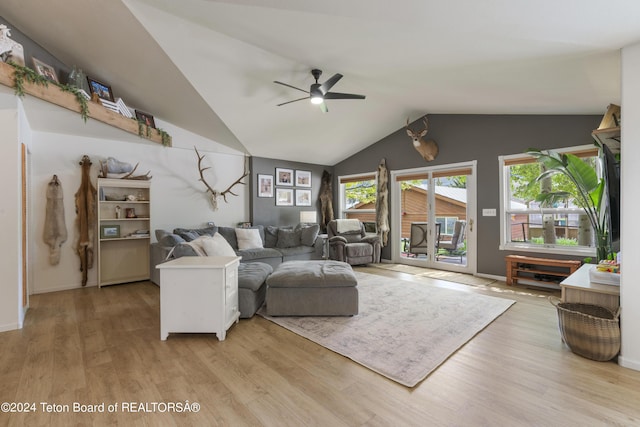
(317, 99)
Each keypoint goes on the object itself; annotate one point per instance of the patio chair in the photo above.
(453, 246)
(418, 239)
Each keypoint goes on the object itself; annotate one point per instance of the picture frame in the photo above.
(102, 90)
(145, 118)
(131, 213)
(303, 197)
(284, 176)
(109, 231)
(45, 70)
(303, 178)
(265, 185)
(284, 196)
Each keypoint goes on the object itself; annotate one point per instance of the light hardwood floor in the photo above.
(102, 345)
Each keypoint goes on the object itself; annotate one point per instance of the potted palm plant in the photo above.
(589, 192)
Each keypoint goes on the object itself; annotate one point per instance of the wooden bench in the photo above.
(535, 271)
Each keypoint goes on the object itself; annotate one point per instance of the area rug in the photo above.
(433, 273)
(404, 330)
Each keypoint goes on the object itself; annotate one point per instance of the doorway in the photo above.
(432, 217)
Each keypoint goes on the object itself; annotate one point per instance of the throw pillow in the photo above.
(218, 246)
(170, 239)
(229, 233)
(198, 244)
(270, 236)
(248, 238)
(288, 238)
(190, 234)
(182, 249)
(309, 233)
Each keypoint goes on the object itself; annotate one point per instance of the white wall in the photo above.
(10, 208)
(177, 197)
(630, 286)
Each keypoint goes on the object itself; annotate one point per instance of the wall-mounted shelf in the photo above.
(57, 96)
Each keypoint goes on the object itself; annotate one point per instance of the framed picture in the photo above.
(109, 231)
(145, 118)
(131, 212)
(303, 178)
(45, 70)
(265, 185)
(303, 197)
(284, 196)
(102, 90)
(284, 176)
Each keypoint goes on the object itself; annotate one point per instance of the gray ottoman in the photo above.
(312, 288)
(252, 287)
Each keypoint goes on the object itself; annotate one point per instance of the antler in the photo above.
(215, 193)
(228, 190)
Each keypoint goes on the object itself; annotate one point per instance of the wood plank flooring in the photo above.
(95, 346)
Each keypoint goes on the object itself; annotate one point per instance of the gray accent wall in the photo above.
(468, 137)
(33, 49)
(264, 210)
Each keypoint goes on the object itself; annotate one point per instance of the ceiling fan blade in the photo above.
(292, 87)
(336, 95)
(324, 87)
(295, 100)
(323, 107)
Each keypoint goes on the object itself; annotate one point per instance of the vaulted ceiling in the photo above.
(208, 66)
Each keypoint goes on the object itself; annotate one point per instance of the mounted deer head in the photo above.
(427, 149)
(214, 194)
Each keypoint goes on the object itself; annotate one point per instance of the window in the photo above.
(447, 224)
(358, 197)
(529, 226)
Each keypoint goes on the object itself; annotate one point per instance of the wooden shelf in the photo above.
(57, 96)
(532, 271)
(609, 137)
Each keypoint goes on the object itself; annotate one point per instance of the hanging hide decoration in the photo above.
(55, 228)
(382, 202)
(85, 219)
(325, 200)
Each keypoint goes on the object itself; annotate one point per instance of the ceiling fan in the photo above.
(319, 92)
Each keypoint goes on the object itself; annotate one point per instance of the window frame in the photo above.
(505, 214)
(343, 179)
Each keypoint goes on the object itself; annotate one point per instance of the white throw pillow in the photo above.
(218, 246)
(248, 238)
(198, 245)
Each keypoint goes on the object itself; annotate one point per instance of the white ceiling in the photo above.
(209, 66)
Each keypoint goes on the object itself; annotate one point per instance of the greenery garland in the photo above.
(26, 74)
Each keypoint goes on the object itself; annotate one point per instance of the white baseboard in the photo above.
(63, 288)
(627, 363)
(10, 327)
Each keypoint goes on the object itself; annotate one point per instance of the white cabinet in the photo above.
(124, 216)
(199, 294)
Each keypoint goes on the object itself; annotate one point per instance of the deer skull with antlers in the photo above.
(214, 194)
(427, 149)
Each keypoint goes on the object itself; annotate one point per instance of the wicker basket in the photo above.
(589, 330)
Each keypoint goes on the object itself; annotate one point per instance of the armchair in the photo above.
(348, 242)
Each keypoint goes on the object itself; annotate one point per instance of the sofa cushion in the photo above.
(182, 249)
(295, 251)
(309, 233)
(217, 246)
(248, 238)
(252, 275)
(270, 236)
(190, 234)
(355, 250)
(229, 233)
(170, 240)
(259, 253)
(288, 238)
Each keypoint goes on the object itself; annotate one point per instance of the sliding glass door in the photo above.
(433, 212)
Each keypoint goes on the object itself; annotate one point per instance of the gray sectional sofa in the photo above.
(279, 244)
